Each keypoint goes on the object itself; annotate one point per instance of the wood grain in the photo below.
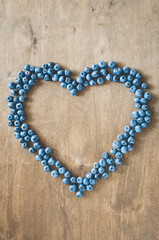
(33, 206)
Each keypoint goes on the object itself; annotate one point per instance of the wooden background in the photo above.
(34, 206)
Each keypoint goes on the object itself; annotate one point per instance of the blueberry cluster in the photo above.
(98, 74)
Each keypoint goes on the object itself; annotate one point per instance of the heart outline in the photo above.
(111, 75)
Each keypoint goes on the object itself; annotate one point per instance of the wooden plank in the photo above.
(33, 206)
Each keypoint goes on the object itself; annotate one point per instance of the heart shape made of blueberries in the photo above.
(97, 74)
